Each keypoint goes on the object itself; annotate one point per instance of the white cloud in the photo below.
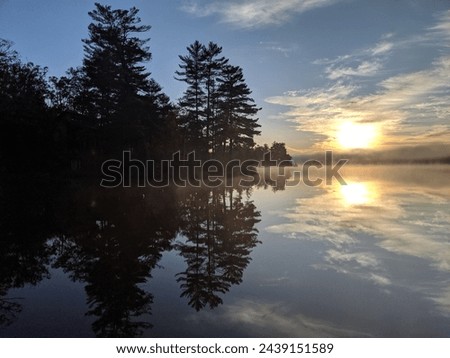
(365, 69)
(285, 50)
(255, 13)
(442, 27)
(443, 300)
(408, 107)
(368, 58)
(382, 48)
(328, 61)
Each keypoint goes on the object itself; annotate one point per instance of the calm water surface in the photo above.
(371, 258)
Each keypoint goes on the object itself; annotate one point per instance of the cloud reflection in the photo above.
(374, 224)
(251, 317)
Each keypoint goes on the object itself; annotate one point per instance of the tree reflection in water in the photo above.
(117, 240)
(111, 240)
(26, 223)
(219, 230)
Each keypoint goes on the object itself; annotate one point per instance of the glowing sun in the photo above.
(354, 135)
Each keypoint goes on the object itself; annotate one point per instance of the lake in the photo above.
(366, 259)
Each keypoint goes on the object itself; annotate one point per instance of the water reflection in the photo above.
(357, 193)
(219, 231)
(26, 221)
(333, 258)
(382, 220)
(111, 240)
(115, 242)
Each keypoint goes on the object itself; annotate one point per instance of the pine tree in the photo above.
(121, 96)
(237, 125)
(200, 69)
(213, 68)
(192, 104)
(114, 61)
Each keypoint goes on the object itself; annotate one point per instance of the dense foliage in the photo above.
(110, 103)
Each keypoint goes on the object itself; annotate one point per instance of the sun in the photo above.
(355, 135)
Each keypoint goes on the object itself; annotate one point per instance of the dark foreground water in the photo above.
(371, 258)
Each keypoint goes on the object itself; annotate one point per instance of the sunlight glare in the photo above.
(355, 194)
(352, 135)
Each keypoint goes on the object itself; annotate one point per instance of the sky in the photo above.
(344, 75)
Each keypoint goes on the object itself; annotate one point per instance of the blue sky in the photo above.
(329, 74)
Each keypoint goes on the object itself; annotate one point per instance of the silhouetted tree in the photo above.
(213, 67)
(26, 130)
(23, 87)
(112, 89)
(279, 153)
(69, 93)
(237, 125)
(216, 110)
(192, 104)
(113, 59)
(259, 151)
(200, 69)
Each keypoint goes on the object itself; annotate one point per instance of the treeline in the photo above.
(110, 103)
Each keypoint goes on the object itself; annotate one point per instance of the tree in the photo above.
(236, 126)
(69, 94)
(118, 94)
(217, 111)
(279, 153)
(25, 130)
(213, 67)
(200, 69)
(23, 88)
(113, 64)
(192, 104)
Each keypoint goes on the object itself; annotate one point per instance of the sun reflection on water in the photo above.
(388, 227)
(357, 194)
